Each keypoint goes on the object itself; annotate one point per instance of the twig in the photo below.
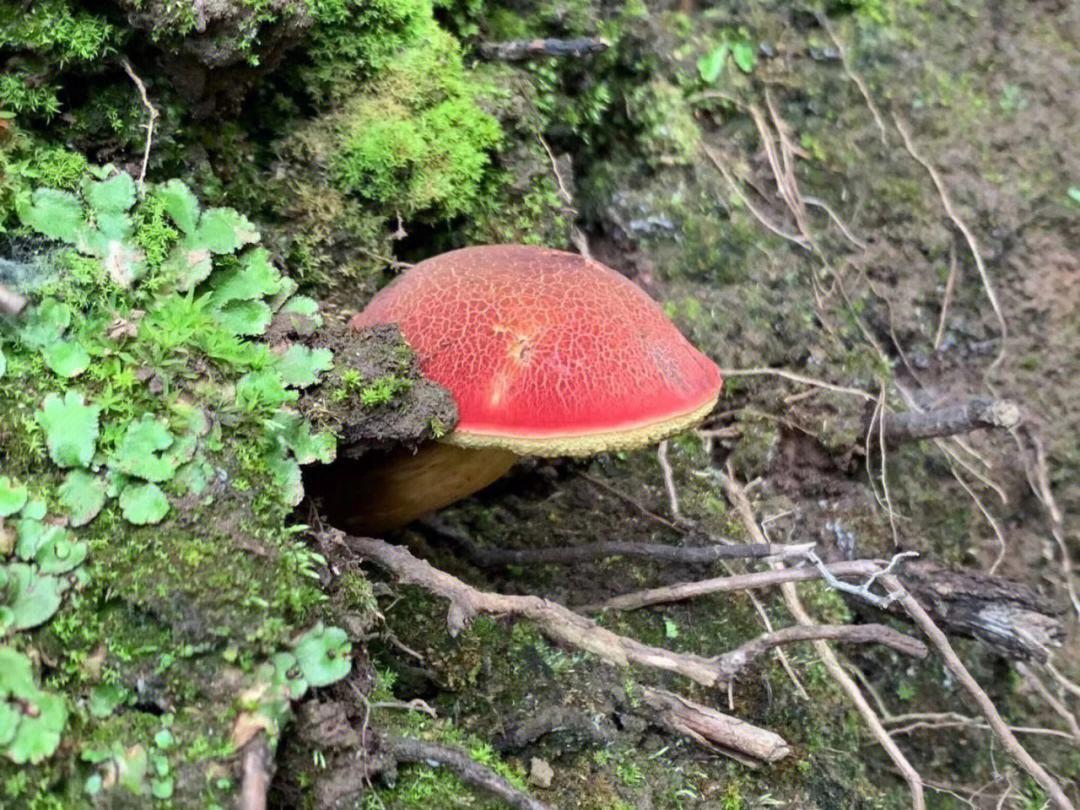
(256, 778)
(714, 730)
(961, 226)
(856, 79)
(739, 582)
(669, 481)
(799, 378)
(739, 658)
(519, 50)
(824, 206)
(986, 705)
(737, 495)
(408, 749)
(589, 552)
(978, 413)
(970, 722)
(863, 591)
(598, 482)
(1051, 700)
(758, 215)
(1039, 478)
(11, 303)
(946, 301)
(152, 112)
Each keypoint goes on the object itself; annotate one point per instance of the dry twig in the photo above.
(152, 112)
(739, 582)
(589, 552)
(714, 730)
(978, 413)
(856, 79)
(969, 237)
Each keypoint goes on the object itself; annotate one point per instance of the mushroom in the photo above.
(546, 353)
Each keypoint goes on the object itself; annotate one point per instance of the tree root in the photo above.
(408, 749)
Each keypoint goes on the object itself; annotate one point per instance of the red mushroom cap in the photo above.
(546, 352)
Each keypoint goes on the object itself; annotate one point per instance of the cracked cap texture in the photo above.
(546, 352)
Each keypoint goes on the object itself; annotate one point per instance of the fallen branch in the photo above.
(982, 700)
(552, 619)
(519, 50)
(714, 730)
(977, 413)
(1010, 617)
(11, 303)
(408, 749)
(589, 552)
(741, 657)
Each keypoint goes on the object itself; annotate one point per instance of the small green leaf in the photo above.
(744, 55)
(323, 655)
(45, 324)
(245, 317)
(3, 363)
(711, 65)
(12, 496)
(56, 214)
(1074, 194)
(71, 429)
(300, 366)
(143, 504)
(285, 473)
(256, 278)
(263, 389)
(61, 554)
(9, 723)
(139, 452)
(105, 698)
(32, 598)
(32, 720)
(188, 266)
(33, 535)
(180, 204)
(38, 735)
(67, 358)
(306, 446)
(82, 496)
(223, 230)
(112, 196)
(300, 309)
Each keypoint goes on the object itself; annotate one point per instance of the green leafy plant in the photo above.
(734, 45)
(31, 721)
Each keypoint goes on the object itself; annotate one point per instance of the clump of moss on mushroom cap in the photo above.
(546, 353)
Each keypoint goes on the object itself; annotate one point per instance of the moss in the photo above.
(418, 142)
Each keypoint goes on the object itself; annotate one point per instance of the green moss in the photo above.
(419, 142)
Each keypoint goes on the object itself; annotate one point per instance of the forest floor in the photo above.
(875, 211)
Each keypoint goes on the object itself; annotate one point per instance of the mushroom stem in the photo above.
(389, 490)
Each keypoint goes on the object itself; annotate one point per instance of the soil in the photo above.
(988, 95)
